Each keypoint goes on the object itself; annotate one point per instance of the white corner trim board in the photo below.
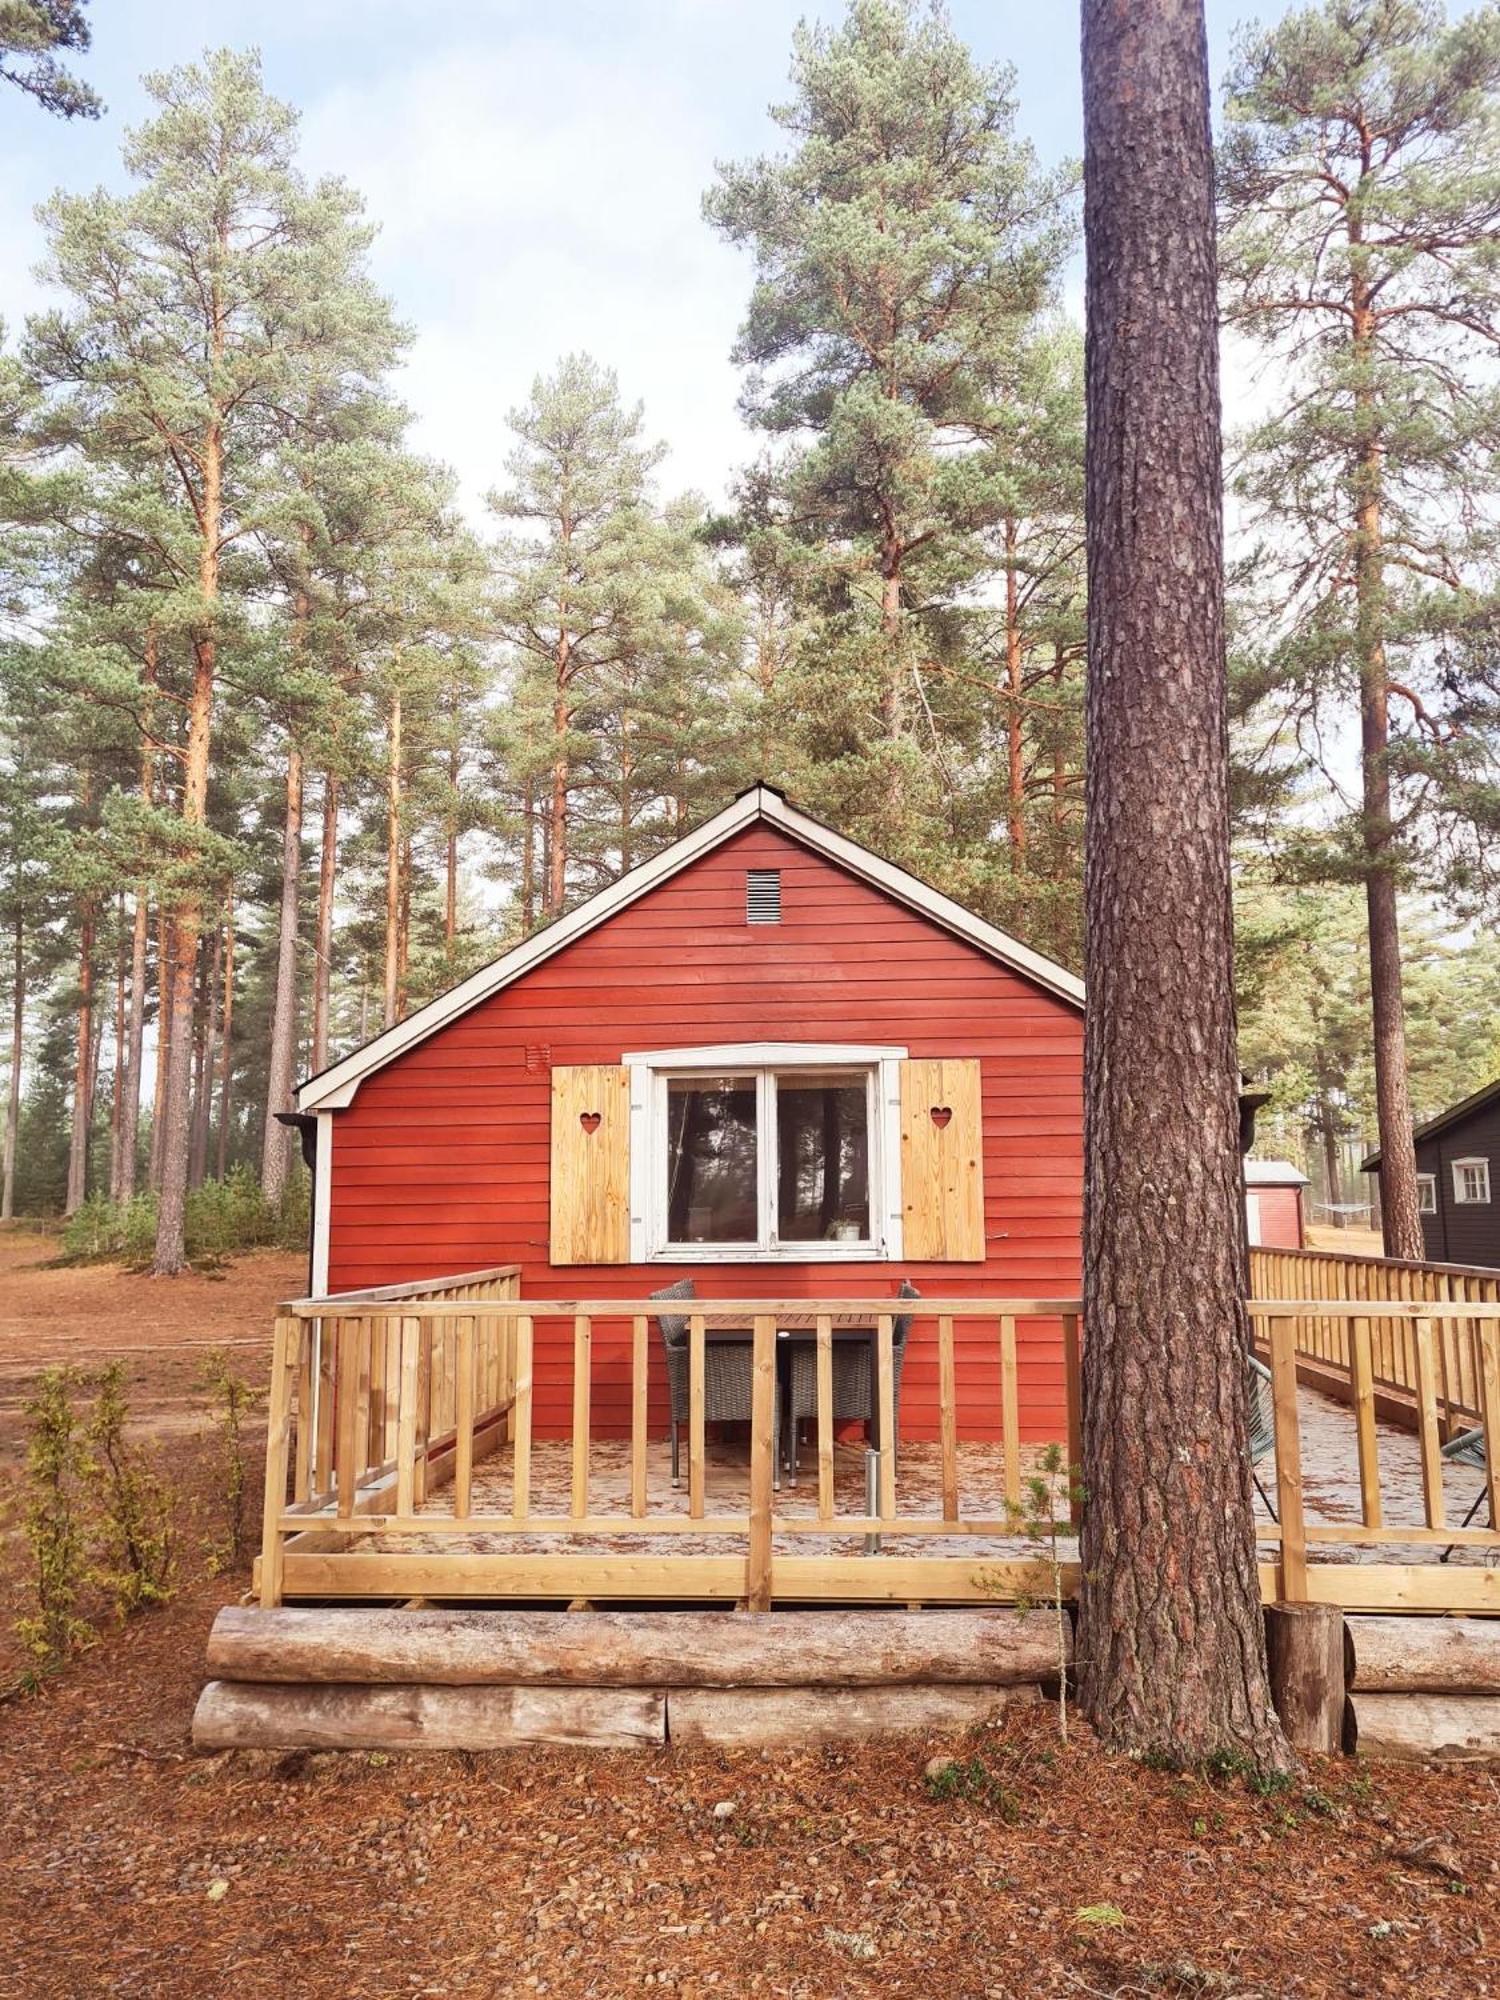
(335, 1087)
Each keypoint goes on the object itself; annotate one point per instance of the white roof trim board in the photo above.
(335, 1086)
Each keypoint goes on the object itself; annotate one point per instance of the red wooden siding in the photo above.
(1280, 1217)
(441, 1162)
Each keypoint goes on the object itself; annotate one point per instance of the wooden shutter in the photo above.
(591, 1165)
(942, 1162)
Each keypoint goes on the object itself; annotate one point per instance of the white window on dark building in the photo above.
(1427, 1194)
(1471, 1182)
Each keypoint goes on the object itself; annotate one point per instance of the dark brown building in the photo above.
(1458, 1175)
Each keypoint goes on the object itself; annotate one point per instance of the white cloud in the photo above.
(534, 199)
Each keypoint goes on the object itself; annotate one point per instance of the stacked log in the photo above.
(470, 1679)
(1423, 1687)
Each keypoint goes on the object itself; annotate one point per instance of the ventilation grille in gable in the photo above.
(763, 896)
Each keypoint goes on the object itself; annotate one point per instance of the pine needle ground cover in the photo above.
(989, 1865)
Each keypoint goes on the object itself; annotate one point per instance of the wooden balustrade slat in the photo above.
(640, 1353)
(948, 1416)
(697, 1338)
(520, 1505)
(885, 1383)
(306, 1435)
(1361, 1375)
(463, 1420)
(1489, 1364)
(346, 1391)
(583, 1376)
(762, 1462)
(825, 1417)
(323, 1446)
(1288, 1461)
(406, 1417)
(286, 1346)
(1073, 1385)
(1010, 1409)
(1427, 1422)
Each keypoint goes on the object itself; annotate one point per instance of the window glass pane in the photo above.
(823, 1159)
(711, 1152)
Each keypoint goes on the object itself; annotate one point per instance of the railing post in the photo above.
(1073, 1388)
(762, 1462)
(1288, 1461)
(285, 1349)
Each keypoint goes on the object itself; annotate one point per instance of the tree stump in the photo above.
(1305, 1657)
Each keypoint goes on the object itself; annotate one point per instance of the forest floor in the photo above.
(134, 1867)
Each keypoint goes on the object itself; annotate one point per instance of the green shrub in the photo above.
(53, 1521)
(222, 1218)
(233, 1399)
(132, 1505)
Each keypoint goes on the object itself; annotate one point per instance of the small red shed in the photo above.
(1273, 1204)
(766, 1059)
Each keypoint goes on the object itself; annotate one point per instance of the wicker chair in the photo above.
(1468, 1448)
(727, 1372)
(1260, 1421)
(853, 1381)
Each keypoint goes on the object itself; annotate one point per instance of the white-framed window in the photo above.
(765, 1150)
(1427, 1194)
(1471, 1182)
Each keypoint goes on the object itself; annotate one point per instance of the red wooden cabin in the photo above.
(759, 1059)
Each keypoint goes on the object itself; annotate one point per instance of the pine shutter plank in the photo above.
(942, 1162)
(590, 1164)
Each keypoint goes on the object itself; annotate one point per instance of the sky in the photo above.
(536, 174)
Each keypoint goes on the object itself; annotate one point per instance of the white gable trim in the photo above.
(336, 1086)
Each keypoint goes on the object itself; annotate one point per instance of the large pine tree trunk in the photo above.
(83, 1080)
(187, 917)
(135, 1037)
(275, 1157)
(117, 1096)
(528, 855)
(205, 1082)
(1400, 1207)
(17, 1050)
(1015, 767)
(1171, 1645)
(226, 1030)
(323, 950)
(163, 1037)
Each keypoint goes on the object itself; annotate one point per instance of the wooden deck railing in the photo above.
(1363, 1329)
(379, 1402)
(1332, 1283)
(382, 1405)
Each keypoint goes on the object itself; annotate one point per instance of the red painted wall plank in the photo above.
(441, 1162)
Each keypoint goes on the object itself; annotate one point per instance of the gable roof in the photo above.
(1274, 1173)
(334, 1087)
(1456, 1114)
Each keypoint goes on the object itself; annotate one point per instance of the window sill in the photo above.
(801, 1253)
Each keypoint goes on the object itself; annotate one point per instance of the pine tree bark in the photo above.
(226, 1031)
(393, 860)
(206, 1084)
(323, 950)
(117, 1095)
(17, 1053)
(130, 1107)
(197, 1139)
(275, 1157)
(1015, 767)
(1171, 1644)
(187, 917)
(557, 825)
(528, 856)
(163, 1037)
(1400, 1206)
(83, 1080)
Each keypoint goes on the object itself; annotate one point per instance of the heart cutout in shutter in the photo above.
(589, 1120)
(942, 1115)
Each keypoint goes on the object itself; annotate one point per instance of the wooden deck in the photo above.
(401, 1431)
